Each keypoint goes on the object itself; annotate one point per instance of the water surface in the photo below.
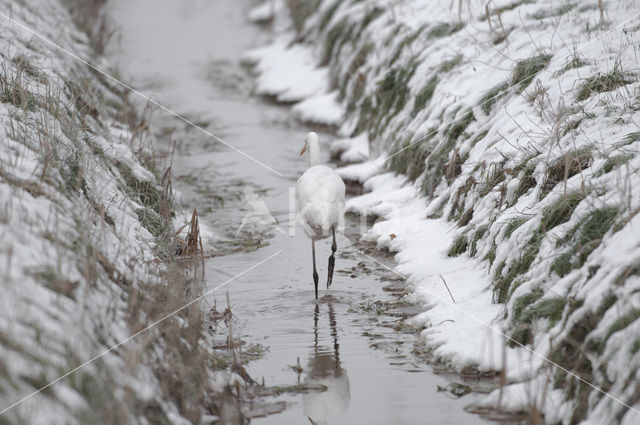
(186, 54)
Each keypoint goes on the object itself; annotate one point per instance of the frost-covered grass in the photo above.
(89, 250)
(517, 123)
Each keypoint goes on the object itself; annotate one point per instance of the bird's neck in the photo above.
(314, 152)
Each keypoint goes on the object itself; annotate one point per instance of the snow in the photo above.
(321, 109)
(266, 11)
(63, 205)
(353, 149)
(288, 73)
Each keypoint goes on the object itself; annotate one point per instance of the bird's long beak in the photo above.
(304, 149)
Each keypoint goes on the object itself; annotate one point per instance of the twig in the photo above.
(447, 286)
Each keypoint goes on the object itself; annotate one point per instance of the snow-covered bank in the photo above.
(513, 130)
(87, 223)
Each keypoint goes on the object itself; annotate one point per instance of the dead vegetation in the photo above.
(601, 83)
(565, 167)
(58, 124)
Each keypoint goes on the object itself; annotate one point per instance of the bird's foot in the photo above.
(332, 262)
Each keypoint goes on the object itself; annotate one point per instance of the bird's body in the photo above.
(320, 201)
(320, 192)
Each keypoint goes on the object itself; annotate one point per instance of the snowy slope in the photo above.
(504, 153)
(83, 222)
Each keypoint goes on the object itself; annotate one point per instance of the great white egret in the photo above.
(320, 192)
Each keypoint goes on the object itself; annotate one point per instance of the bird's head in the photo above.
(310, 138)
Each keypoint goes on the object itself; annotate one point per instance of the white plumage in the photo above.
(320, 192)
(320, 200)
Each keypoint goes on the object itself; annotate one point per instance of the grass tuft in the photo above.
(614, 162)
(479, 234)
(524, 301)
(526, 69)
(425, 95)
(565, 167)
(448, 65)
(458, 247)
(560, 211)
(300, 10)
(502, 285)
(562, 264)
(491, 97)
(513, 225)
(592, 230)
(444, 29)
(601, 83)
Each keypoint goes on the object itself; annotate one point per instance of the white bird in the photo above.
(320, 192)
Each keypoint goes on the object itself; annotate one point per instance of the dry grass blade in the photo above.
(447, 286)
(190, 250)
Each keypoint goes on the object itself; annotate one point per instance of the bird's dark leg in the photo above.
(332, 259)
(315, 272)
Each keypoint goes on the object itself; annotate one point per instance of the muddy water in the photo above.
(186, 54)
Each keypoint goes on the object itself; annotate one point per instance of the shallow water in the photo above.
(186, 54)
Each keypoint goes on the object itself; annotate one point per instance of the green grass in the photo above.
(407, 41)
(560, 211)
(502, 284)
(614, 162)
(562, 264)
(525, 70)
(530, 309)
(553, 12)
(491, 97)
(479, 234)
(393, 92)
(496, 177)
(601, 83)
(450, 64)
(336, 37)
(622, 322)
(479, 137)
(514, 224)
(71, 173)
(359, 85)
(439, 158)
(146, 191)
(300, 10)
(411, 161)
(527, 181)
(425, 95)
(444, 29)
(326, 16)
(592, 230)
(570, 126)
(524, 301)
(565, 167)
(584, 238)
(574, 63)
(491, 255)
(460, 124)
(458, 247)
(630, 138)
(550, 308)
(371, 16)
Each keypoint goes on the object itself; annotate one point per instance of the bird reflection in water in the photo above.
(325, 369)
